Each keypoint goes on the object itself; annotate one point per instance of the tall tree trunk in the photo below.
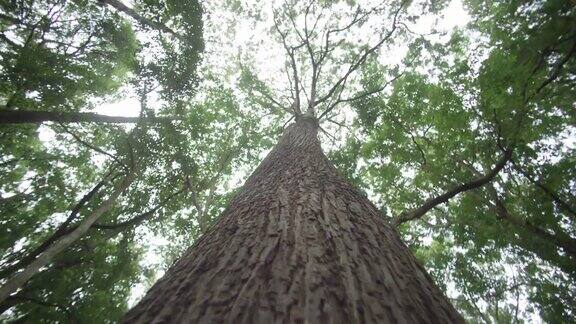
(297, 244)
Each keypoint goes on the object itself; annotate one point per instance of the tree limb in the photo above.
(362, 58)
(557, 69)
(118, 5)
(140, 218)
(27, 116)
(93, 147)
(359, 96)
(60, 231)
(290, 51)
(443, 198)
(562, 241)
(555, 197)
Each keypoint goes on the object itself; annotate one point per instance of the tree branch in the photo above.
(359, 96)
(17, 299)
(93, 147)
(353, 67)
(562, 241)
(290, 51)
(142, 217)
(443, 198)
(118, 5)
(26, 116)
(555, 197)
(407, 131)
(557, 69)
(60, 231)
(19, 279)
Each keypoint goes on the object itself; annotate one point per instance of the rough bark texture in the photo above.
(297, 244)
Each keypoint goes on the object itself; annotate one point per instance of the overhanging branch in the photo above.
(39, 116)
(443, 198)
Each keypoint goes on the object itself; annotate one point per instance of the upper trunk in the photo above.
(297, 244)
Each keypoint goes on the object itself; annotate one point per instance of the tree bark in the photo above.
(26, 116)
(297, 244)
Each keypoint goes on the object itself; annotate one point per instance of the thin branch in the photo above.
(290, 51)
(353, 67)
(360, 96)
(330, 136)
(274, 101)
(60, 231)
(90, 146)
(142, 217)
(416, 33)
(118, 5)
(20, 278)
(288, 121)
(559, 239)
(555, 197)
(9, 41)
(407, 131)
(16, 299)
(557, 69)
(306, 40)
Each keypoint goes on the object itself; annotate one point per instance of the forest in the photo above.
(319, 161)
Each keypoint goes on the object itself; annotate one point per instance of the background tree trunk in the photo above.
(297, 244)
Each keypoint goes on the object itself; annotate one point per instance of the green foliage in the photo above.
(67, 56)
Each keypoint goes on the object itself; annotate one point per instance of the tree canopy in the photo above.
(456, 118)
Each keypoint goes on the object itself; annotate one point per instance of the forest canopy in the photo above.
(126, 128)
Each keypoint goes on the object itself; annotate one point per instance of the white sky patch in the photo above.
(127, 107)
